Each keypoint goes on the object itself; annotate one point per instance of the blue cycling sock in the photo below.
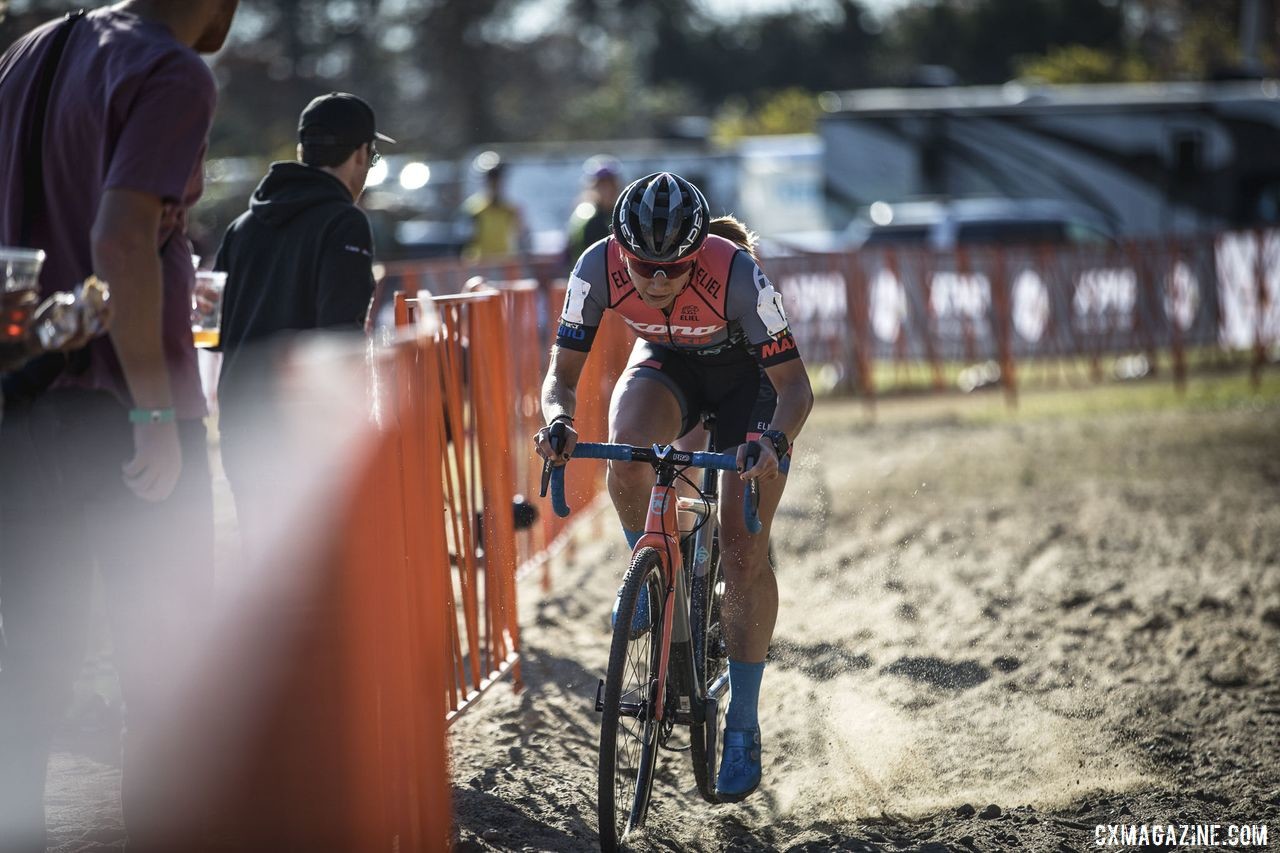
(744, 694)
(633, 536)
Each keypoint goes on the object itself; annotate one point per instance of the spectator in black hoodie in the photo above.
(300, 258)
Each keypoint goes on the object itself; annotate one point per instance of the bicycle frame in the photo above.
(662, 533)
(672, 687)
(707, 509)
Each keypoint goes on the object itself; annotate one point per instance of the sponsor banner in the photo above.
(1219, 290)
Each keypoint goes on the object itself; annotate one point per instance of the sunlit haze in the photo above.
(730, 8)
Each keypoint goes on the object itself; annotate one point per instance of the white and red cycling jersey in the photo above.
(729, 311)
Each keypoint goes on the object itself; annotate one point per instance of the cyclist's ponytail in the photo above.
(735, 231)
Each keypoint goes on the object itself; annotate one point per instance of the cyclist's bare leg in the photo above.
(694, 440)
(751, 590)
(643, 411)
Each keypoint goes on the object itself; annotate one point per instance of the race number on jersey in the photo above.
(769, 305)
(575, 297)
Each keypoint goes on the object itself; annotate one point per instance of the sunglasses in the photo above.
(374, 155)
(645, 269)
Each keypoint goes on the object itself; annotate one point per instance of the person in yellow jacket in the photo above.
(496, 226)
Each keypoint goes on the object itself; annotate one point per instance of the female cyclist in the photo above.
(712, 337)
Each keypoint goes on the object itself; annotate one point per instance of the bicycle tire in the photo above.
(711, 659)
(629, 744)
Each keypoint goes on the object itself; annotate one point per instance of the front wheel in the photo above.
(629, 734)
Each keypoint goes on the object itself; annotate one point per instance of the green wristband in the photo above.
(151, 416)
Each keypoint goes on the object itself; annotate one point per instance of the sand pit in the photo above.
(1072, 617)
(995, 634)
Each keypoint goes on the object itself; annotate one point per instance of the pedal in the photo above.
(638, 710)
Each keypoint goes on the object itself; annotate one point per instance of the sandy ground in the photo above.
(994, 634)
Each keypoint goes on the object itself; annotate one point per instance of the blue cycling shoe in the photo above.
(740, 772)
(639, 619)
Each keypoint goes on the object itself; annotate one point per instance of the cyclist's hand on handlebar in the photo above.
(766, 461)
(555, 442)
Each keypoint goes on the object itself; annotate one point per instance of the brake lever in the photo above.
(546, 477)
(555, 435)
(751, 500)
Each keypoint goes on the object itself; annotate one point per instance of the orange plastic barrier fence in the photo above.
(393, 588)
(476, 487)
(529, 313)
(312, 716)
(381, 616)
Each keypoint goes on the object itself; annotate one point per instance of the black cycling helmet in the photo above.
(661, 218)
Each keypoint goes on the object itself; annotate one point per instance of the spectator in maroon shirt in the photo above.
(108, 464)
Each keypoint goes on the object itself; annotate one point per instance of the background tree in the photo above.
(1076, 63)
(982, 40)
(450, 75)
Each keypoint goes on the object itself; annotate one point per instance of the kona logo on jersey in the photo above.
(778, 347)
(674, 331)
(571, 332)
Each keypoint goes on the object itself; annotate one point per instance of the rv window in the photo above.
(1078, 232)
(1266, 202)
(897, 235)
(1011, 232)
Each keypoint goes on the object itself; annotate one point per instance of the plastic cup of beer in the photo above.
(206, 307)
(20, 269)
(19, 292)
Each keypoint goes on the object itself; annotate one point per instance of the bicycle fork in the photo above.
(676, 669)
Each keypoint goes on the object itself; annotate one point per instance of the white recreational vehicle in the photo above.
(1147, 158)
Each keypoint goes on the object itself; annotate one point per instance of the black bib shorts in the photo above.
(738, 392)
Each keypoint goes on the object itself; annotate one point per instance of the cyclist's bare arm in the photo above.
(795, 397)
(560, 397)
(795, 400)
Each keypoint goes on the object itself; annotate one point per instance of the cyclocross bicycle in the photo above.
(676, 672)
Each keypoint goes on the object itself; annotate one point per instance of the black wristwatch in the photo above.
(778, 439)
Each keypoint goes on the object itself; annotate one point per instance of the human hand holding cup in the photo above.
(19, 298)
(68, 321)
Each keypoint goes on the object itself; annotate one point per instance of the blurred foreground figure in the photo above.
(103, 125)
(300, 258)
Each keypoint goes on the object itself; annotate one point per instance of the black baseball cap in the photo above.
(338, 118)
